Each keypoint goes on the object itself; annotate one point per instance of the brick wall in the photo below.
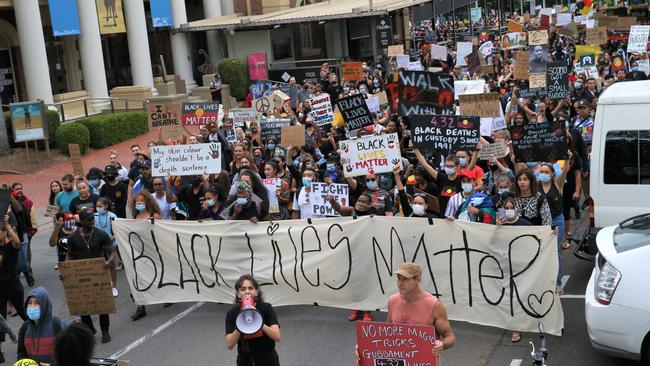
(240, 6)
(256, 7)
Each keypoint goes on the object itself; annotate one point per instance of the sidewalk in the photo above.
(36, 185)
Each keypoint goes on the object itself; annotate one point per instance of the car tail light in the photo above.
(606, 283)
(592, 206)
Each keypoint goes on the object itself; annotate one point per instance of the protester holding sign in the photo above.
(419, 206)
(448, 181)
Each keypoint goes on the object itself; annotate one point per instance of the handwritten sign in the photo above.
(292, 135)
(280, 98)
(51, 210)
(497, 150)
(438, 52)
(521, 66)
(321, 109)
(355, 112)
(638, 41)
(320, 206)
(422, 92)
(193, 159)
(539, 142)
(486, 49)
(392, 344)
(482, 105)
(196, 114)
(395, 50)
(514, 26)
(352, 71)
(241, 116)
(537, 37)
(463, 49)
(531, 92)
(373, 103)
(537, 80)
(370, 155)
(75, 158)
(596, 35)
(557, 80)
(445, 133)
(271, 184)
(272, 128)
(513, 40)
(163, 115)
(263, 104)
(87, 287)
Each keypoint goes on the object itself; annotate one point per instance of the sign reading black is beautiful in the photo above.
(423, 92)
(445, 132)
(355, 112)
(557, 80)
(539, 142)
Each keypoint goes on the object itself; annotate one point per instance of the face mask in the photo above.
(503, 191)
(418, 210)
(300, 115)
(109, 178)
(635, 68)
(210, 202)
(463, 161)
(70, 224)
(450, 171)
(372, 185)
(93, 182)
(259, 159)
(510, 214)
(577, 85)
(306, 181)
(362, 91)
(346, 90)
(242, 201)
(140, 208)
(34, 313)
(544, 178)
(270, 146)
(331, 167)
(467, 187)
(531, 164)
(101, 210)
(376, 82)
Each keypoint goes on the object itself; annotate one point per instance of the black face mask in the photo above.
(110, 178)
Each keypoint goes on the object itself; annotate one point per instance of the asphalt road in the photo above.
(193, 333)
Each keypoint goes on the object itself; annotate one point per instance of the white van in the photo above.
(620, 156)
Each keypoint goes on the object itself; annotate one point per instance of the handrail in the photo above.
(60, 106)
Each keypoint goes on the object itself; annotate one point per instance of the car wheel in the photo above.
(645, 349)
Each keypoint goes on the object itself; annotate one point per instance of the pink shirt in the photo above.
(420, 312)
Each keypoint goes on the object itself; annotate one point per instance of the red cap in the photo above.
(467, 173)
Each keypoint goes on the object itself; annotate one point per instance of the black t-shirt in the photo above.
(258, 345)
(448, 188)
(88, 247)
(8, 267)
(77, 203)
(117, 194)
(192, 202)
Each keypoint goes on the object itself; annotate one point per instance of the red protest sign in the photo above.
(396, 344)
(193, 114)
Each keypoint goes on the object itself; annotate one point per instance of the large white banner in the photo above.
(370, 155)
(193, 159)
(485, 274)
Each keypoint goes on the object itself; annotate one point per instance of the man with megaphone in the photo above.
(252, 325)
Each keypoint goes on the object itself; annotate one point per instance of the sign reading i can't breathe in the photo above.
(194, 159)
(394, 344)
(355, 112)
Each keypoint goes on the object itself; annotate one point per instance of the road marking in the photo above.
(572, 296)
(564, 280)
(154, 332)
(516, 362)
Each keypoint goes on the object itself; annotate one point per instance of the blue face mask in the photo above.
(140, 208)
(362, 91)
(503, 191)
(211, 203)
(544, 178)
(463, 161)
(372, 185)
(93, 182)
(242, 201)
(34, 313)
(531, 164)
(331, 167)
(577, 85)
(101, 210)
(450, 171)
(270, 146)
(635, 68)
(306, 181)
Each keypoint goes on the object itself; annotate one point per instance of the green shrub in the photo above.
(72, 133)
(53, 123)
(234, 72)
(110, 129)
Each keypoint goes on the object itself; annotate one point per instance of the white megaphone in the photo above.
(249, 321)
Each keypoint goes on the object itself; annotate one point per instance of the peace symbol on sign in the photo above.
(262, 105)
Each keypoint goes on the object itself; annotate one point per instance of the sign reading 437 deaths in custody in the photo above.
(445, 133)
(194, 159)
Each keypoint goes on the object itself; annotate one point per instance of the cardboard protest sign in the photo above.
(321, 109)
(539, 142)
(271, 184)
(445, 133)
(383, 99)
(355, 112)
(164, 115)
(395, 344)
(557, 80)
(395, 50)
(497, 149)
(463, 49)
(352, 71)
(596, 35)
(241, 116)
(514, 26)
(482, 105)
(292, 135)
(638, 41)
(625, 22)
(537, 80)
(263, 104)
(87, 287)
(272, 128)
(370, 155)
(537, 37)
(197, 114)
(280, 98)
(75, 159)
(462, 87)
(422, 92)
(513, 40)
(193, 159)
(438, 52)
(320, 206)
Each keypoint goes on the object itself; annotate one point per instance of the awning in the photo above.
(323, 11)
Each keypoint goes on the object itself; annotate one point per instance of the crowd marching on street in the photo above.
(507, 186)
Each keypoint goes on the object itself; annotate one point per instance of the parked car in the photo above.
(617, 299)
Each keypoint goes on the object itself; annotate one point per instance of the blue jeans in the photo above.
(558, 221)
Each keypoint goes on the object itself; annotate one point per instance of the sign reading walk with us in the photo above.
(110, 16)
(502, 276)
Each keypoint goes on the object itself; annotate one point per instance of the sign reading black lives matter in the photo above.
(539, 142)
(445, 133)
(423, 92)
(557, 80)
(355, 112)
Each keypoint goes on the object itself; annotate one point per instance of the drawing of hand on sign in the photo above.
(156, 163)
(214, 151)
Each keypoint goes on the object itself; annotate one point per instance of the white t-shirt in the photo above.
(304, 202)
(165, 207)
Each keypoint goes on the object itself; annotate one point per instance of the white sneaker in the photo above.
(115, 292)
(56, 267)
(119, 267)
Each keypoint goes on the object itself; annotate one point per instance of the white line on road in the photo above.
(572, 296)
(564, 280)
(516, 362)
(154, 332)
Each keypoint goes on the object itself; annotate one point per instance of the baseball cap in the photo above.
(86, 214)
(144, 154)
(409, 270)
(94, 173)
(69, 222)
(467, 173)
(583, 103)
(109, 169)
(145, 164)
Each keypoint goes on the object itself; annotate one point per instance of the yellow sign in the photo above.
(110, 16)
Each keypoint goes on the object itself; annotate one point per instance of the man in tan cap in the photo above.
(411, 305)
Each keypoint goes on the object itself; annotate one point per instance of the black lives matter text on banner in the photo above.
(355, 112)
(192, 159)
(557, 80)
(319, 193)
(272, 128)
(423, 92)
(87, 287)
(445, 133)
(539, 142)
(497, 150)
(484, 105)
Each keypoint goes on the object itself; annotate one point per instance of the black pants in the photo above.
(104, 322)
(269, 359)
(12, 291)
